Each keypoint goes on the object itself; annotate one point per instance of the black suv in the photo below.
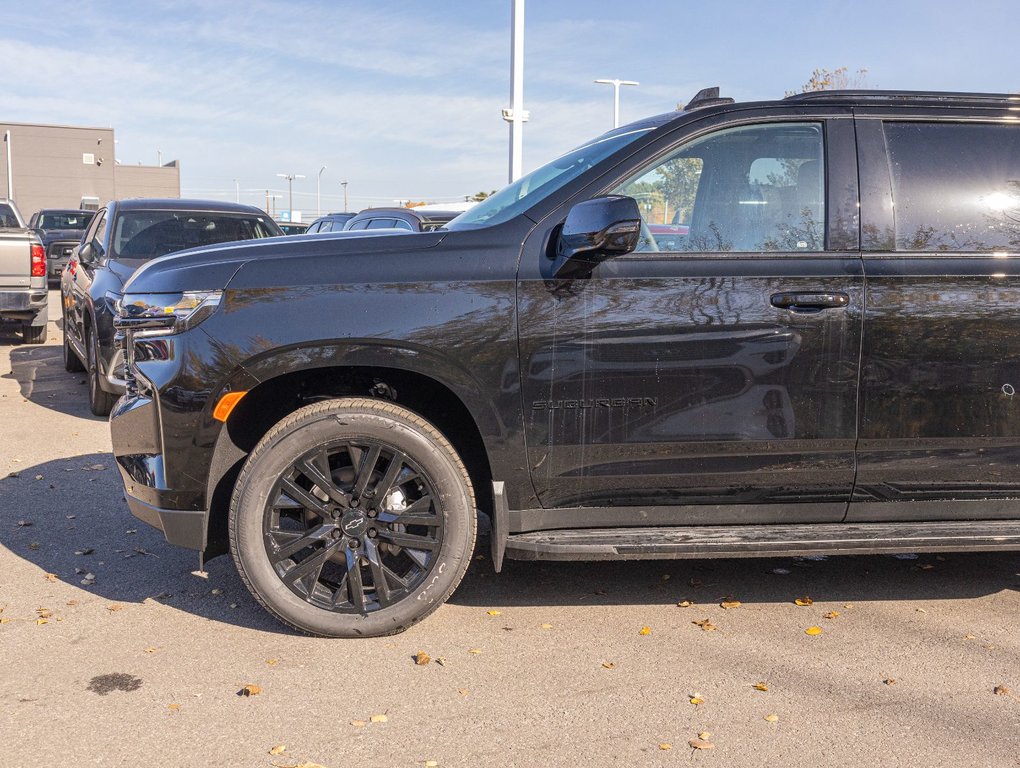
(123, 236)
(809, 369)
(60, 230)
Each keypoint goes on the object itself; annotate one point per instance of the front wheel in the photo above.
(352, 518)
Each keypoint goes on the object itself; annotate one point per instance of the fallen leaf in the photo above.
(760, 686)
(42, 621)
(813, 631)
(151, 650)
(890, 681)
(727, 604)
(609, 665)
(114, 607)
(174, 707)
(441, 661)
(970, 637)
(44, 613)
(421, 658)
(706, 625)
(463, 691)
(38, 477)
(34, 546)
(51, 577)
(493, 613)
(378, 718)
(216, 591)
(848, 605)
(704, 735)
(71, 602)
(25, 523)
(272, 662)
(696, 701)
(701, 744)
(804, 601)
(547, 626)
(278, 749)
(474, 651)
(830, 615)
(431, 764)
(86, 551)
(684, 604)
(664, 746)
(89, 580)
(249, 690)
(645, 631)
(1001, 690)
(358, 723)
(772, 718)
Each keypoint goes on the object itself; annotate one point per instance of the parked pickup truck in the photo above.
(23, 297)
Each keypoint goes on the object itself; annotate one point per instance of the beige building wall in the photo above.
(58, 166)
(147, 181)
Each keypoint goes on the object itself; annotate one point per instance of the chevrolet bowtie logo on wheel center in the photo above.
(354, 522)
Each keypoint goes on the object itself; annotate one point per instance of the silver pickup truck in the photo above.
(23, 297)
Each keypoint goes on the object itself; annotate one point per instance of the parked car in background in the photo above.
(331, 222)
(122, 237)
(60, 230)
(292, 227)
(23, 297)
(407, 219)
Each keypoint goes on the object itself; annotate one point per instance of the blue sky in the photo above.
(403, 99)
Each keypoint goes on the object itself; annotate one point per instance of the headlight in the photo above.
(165, 313)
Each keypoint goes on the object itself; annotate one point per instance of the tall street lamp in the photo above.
(290, 183)
(344, 185)
(318, 199)
(616, 96)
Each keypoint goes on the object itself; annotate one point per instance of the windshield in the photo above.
(538, 185)
(65, 219)
(148, 234)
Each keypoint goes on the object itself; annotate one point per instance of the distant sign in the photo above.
(294, 216)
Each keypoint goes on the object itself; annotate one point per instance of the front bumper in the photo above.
(180, 526)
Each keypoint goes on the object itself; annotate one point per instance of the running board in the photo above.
(763, 540)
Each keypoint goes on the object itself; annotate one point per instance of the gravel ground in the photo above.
(544, 664)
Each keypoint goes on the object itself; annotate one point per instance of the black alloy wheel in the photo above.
(353, 527)
(72, 364)
(352, 517)
(100, 401)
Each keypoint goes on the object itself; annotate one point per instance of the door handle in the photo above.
(809, 302)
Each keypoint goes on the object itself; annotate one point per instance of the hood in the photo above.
(52, 235)
(211, 268)
(122, 269)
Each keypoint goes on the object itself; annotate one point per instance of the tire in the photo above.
(384, 548)
(72, 363)
(100, 401)
(33, 334)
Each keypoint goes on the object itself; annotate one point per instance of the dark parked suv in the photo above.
(808, 369)
(123, 236)
(401, 219)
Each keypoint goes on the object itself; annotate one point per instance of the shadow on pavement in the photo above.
(39, 371)
(68, 517)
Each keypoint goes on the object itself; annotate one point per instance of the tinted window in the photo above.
(382, 223)
(7, 218)
(754, 188)
(65, 220)
(148, 234)
(401, 224)
(326, 226)
(956, 187)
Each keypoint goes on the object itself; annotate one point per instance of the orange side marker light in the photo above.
(226, 405)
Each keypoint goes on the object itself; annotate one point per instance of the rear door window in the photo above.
(956, 186)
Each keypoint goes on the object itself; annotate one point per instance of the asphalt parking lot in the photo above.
(116, 652)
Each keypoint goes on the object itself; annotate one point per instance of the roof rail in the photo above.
(990, 98)
(706, 97)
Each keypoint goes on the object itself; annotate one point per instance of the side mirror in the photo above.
(89, 252)
(594, 231)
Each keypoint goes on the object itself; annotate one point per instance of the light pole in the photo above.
(237, 191)
(515, 114)
(290, 184)
(344, 185)
(318, 198)
(616, 96)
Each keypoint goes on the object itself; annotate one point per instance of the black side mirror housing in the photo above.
(89, 252)
(594, 231)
